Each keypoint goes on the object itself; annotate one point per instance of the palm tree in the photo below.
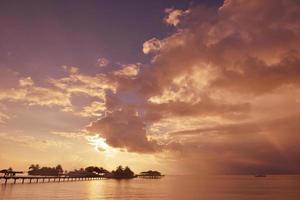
(100, 170)
(128, 173)
(34, 167)
(90, 169)
(31, 167)
(59, 169)
(120, 169)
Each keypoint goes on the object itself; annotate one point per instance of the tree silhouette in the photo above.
(45, 171)
(90, 169)
(128, 172)
(59, 169)
(122, 173)
(34, 167)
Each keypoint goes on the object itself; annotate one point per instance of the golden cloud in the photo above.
(174, 15)
(130, 70)
(34, 95)
(234, 68)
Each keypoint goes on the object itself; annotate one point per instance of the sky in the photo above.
(179, 86)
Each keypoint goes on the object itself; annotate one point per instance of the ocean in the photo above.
(277, 187)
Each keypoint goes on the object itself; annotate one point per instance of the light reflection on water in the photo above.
(167, 188)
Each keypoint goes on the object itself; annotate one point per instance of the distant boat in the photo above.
(260, 175)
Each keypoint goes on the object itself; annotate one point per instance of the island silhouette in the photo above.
(91, 171)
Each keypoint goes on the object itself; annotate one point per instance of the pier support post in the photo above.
(15, 180)
(23, 180)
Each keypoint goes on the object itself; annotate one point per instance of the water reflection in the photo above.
(167, 188)
(6, 190)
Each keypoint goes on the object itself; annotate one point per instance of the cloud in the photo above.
(100, 144)
(94, 109)
(252, 147)
(130, 70)
(3, 115)
(206, 107)
(35, 95)
(230, 42)
(70, 69)
(102, 62)
(224, 82)
(174, 15)
(70, 135)
(94, 86)
(59, 92)
(152, 45)
(124, 129)
(26, 82)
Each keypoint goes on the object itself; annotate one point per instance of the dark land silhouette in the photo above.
(45, 171)
(150, 173)
(121, 173)
(90, 171)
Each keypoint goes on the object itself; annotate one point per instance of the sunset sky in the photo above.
(181, 86)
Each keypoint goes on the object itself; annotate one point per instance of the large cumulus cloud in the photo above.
(124, 129)
(225, 82)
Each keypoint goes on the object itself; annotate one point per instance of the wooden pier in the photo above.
(44, 179)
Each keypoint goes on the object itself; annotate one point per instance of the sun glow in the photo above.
(100, 145)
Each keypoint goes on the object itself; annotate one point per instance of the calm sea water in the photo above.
(167, 188)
